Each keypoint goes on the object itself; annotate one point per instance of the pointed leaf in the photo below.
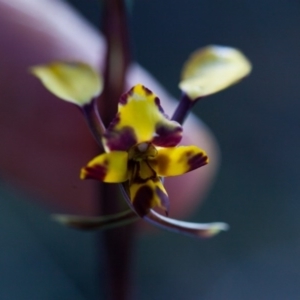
(92, 223)
(204, 230)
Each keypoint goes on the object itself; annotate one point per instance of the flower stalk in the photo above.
(94, 121)
(183, 109)
(118, 242)
(117, 57)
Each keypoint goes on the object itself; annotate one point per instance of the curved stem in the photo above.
(94, 121)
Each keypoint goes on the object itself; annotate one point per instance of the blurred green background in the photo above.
(257, 189)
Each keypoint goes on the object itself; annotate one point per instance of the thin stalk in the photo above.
(118, 243)
(183, 109)
(94, 121)
(117, 56)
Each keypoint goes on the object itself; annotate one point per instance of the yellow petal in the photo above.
(212, 69)
(140, 119)
(74, 82)
(177, 161)
(147, 195)
(107, 167)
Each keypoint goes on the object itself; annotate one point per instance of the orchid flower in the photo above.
(141, 143)
(141, 148)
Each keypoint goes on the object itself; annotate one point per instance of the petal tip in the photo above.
(214, 229)
(62, 219)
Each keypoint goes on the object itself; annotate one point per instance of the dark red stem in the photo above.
(118, 243)
(117, 56)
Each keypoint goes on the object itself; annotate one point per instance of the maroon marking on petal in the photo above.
(197, 161)
(123, 99)
(164, 199)
(142, 200)
(157, 103)
(96, 172)
(131, 92)
(120, 140)
(167, 137)
(114, 122)
(147, 91)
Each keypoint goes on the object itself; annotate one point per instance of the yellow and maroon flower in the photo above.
(141, 148)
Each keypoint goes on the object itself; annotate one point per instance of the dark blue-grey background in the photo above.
(257, 190)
